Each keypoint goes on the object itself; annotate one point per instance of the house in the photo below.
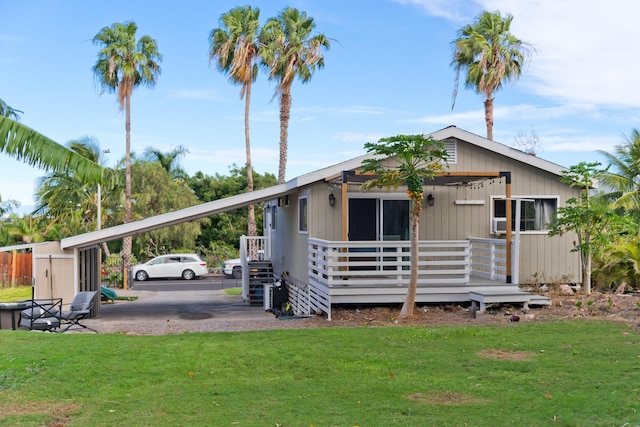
(339, 244)
(336, 244)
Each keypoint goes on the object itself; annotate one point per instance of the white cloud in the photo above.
(585, 49)
(453, 10)
(353, 137)
(360, 109)
(194, 94)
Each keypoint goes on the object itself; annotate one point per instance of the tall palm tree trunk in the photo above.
(285, 112)
(126, 242)
(251, 226)
(488, 116)
(410, 300)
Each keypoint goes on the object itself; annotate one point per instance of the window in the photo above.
(535, 212)
(273, 217)
(303, 214)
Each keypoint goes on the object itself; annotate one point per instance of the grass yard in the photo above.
(18, 293)
(557, 373)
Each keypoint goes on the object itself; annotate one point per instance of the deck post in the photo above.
(507, 176)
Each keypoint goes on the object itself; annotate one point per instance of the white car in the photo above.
(232, 268)
(187, 266)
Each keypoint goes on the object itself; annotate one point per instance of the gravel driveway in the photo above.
(173, 312)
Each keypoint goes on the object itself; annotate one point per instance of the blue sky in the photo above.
(387, 73)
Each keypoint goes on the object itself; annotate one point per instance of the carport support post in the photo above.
(508, 210)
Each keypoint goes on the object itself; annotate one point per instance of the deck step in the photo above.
(482, 299)
(539, 300)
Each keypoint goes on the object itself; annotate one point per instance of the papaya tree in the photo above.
(406, 160)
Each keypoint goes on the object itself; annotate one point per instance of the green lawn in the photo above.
(558, 374)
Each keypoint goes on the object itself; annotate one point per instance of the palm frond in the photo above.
(27, 145)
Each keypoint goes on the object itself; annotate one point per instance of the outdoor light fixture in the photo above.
(332, 200)
(430, 199)
(268, 209)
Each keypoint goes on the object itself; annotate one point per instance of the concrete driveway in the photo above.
(185, 305)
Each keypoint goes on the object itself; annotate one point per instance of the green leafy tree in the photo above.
(619, 263)
(594, 223)
(29, 229)
(490, 55)
(288, 50)
(623, 183)
(169, 160)
(155, 192)
(124, 63)
(64, 198)
(227, 227)
(406, 160)
(7, 206)
(234, 47)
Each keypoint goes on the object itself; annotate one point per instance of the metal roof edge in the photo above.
(497, 147)
(171, 218)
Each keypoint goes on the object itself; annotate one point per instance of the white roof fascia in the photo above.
(22, 246)
(496, 147)
(330, 171)
(176, 217)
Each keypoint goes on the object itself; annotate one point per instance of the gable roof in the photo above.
(241, 200)
(498, 148)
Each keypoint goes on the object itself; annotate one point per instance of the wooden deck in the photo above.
(461, 271)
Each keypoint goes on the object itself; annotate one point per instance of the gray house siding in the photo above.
(542, 258)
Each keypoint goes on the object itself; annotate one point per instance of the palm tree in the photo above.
(7, 111)
(61, 196)
(288, 50)
(7, 206)
(25, 144)
(169, 160)
(490, 55)
(124, 63)
(406, 160)
(624, 181)
(234, 47)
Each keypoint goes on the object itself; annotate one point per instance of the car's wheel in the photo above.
(141, 276)
(188, 275)
(237, 273)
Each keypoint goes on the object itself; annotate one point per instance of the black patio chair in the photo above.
(43, 315)
(80, 309)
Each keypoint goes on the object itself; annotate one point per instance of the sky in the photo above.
(387, 72)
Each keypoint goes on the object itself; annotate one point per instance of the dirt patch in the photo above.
(603, 306)
(506, 355)
(60, 412)
(444, 398)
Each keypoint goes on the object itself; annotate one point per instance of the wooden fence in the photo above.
(15, 269)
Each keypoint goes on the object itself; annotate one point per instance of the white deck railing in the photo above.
(368, 263)
(489, 258)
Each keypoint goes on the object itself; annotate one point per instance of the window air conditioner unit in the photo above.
(499, 226)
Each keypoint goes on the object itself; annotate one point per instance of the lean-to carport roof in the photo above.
(241, 200)
(206, 209)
